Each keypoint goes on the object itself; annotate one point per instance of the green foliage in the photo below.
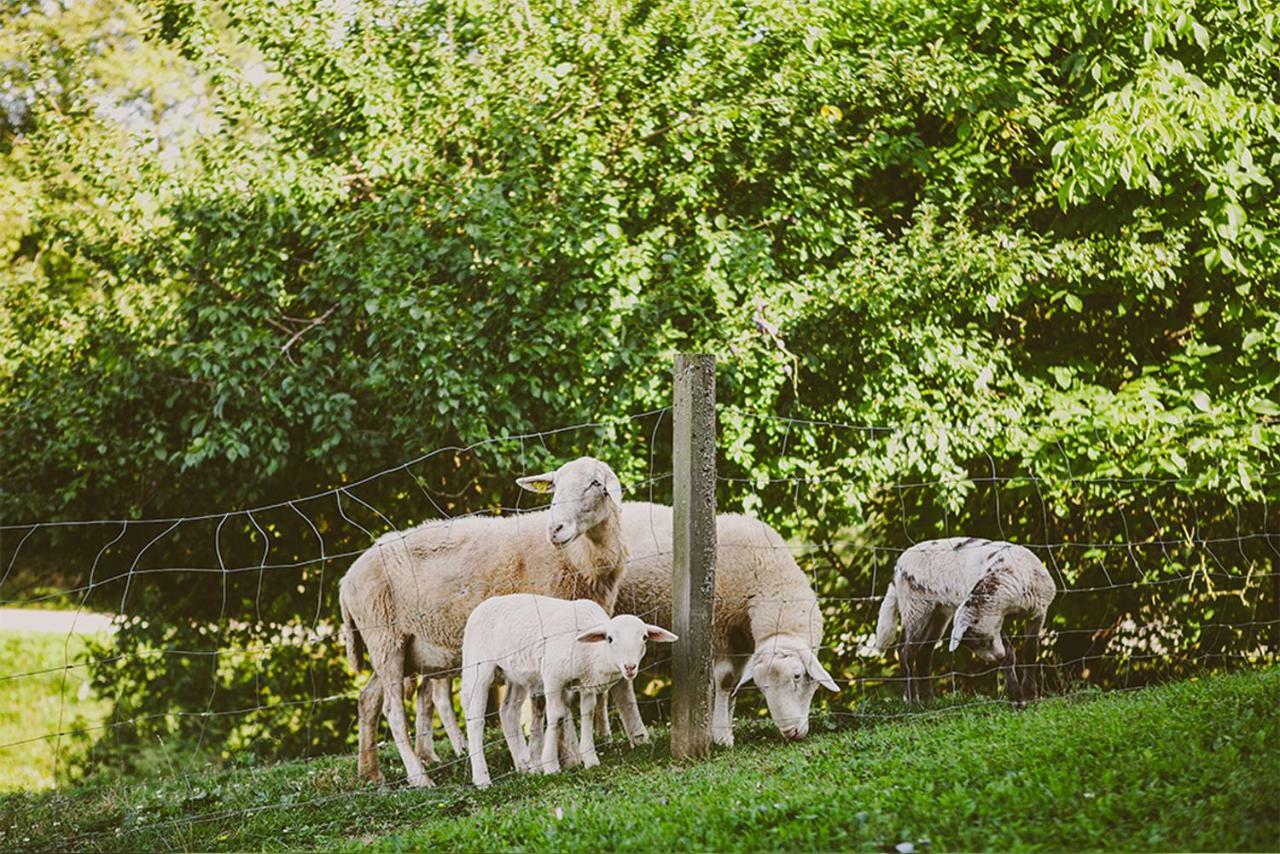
(256, 251)
(1183, 766)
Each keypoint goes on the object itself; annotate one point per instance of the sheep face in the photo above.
(581, 494)
(978, 633)
(625, 638)
(788, 678)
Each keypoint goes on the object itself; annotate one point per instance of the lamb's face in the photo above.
(625, 640)
(987, 647)
(581, 493)
(788, 678)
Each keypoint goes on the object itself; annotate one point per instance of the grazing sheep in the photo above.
(767, 626)
(982, 583)
(547, 647)
(407, 598)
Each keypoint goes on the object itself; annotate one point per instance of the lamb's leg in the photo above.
(1030, 681)
(1008, 666)
(569, 755)
(368, 712)
(624, 697)
(424, 741)
(475, 698)
(509, 713)
(557, 711)
(726, 677)
(602, 717)
(392, 671)
(537, 723)
(911, 626)
(923, 669)
(587, 746)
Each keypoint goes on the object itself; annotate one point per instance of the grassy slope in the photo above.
(30, 705)
(1194, 765)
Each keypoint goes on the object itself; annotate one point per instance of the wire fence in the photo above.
(227, 632)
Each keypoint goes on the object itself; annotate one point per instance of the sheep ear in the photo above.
(614, 487)
(747, 676)
(596, 635)
(658, 634)
(542, 483)
(821, 676)
(959, 627)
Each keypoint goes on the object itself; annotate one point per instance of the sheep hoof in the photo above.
(642, 737)
(591, 761)
(550, 769)
(722, 739)
(420, 781)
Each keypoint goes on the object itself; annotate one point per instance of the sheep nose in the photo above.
(629, 670)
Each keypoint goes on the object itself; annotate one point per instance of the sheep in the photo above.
(546, 646)
(405, 601)
(767, 626)
(981, 582)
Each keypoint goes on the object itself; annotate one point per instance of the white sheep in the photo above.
(982, 583)
(407, 598)
(547, 647)
(767, 626)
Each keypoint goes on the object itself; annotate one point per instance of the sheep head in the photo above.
(582, 492)
(626, 637)
(788, 675)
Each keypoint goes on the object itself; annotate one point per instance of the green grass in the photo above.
(1191, 765)
(31, 705)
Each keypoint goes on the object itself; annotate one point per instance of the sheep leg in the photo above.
(537, 723)
(392, 671)
(1009, 667)
(1030, 681)
(424, 740)
(725, 676)
(557, 711)
(624, 697)
(588, 713)
(907, 655)
(368, 711)
(602, 717)
(475, 699)
(442, 690)
(569, 755)
(509, 713)
(923, 669)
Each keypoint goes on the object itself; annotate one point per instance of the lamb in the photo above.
(549, 647)
(767, 626)
(406, 600)
(982, 583)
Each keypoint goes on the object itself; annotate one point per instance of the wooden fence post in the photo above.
(693, 571)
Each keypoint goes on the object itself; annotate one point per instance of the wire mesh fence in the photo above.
(227, 638)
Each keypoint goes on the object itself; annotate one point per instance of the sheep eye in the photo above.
(609, 639)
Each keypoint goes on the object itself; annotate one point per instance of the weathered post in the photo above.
(693, 575)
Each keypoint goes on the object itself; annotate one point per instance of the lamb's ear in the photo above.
(964, 619)
(613, 486)
(597, 635)
(658, 634)
(747, 676)
(538, 482)
(821, 676)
